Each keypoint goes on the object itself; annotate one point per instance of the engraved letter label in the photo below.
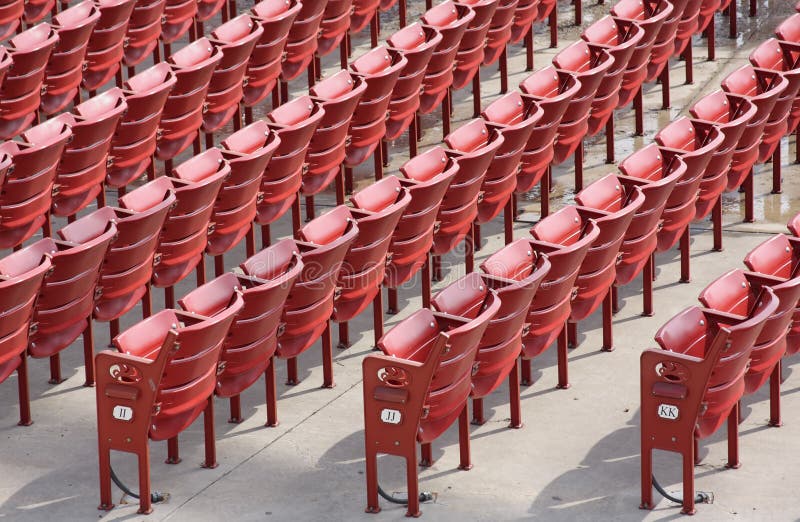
(123, 413)
(668, 411)
(390, 416)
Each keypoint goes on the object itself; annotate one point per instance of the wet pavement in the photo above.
(577, 457)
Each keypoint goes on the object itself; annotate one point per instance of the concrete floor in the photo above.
(577, 457)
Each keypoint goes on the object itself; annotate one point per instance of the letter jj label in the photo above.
(390, 416)
(668, 411)
(122, 413)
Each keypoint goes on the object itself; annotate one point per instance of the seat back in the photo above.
(21, 275)
(190, 368)
(67, 294)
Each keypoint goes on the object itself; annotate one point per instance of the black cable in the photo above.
(425, 496)
(155, 496)
(701, 497)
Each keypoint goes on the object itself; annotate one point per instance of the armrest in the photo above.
(724, 317)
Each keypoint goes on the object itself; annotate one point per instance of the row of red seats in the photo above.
(711, 357)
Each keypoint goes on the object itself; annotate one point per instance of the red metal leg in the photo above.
(402, 12)
(508, 221)
(426, 282)
(296, 216)
(169, 297)
(753, 7)
(219, 265)
(476, 94)
(24, 391)
(348, 180)
(563, 374)
(749, 198)
(412, 136)
(469, 254)
(553, 28)
(412, 485)
(446, 114)
(104, 458)
(578, 12)
(732, 14)
(775, 396)
(513, 396)
(544, 196)
(327, 357)
(647, 287)
(776, 170)
(391, 309)
(55, 369)
(711, 34)
(647, 475)
(309, 208)
(291, 372)
(733, 438)
(529, 49)
(339, 185)
(208, 432)
(265, 236)
(344, 336)
(371, 465)
(113, 329)
(688, 481)
(639, 111)
(88, 354)
(525, 369)
(426, 459)
(463, 439)
(572, 334)
(477, 412)
(614, 298)
(688, 55)
(145, 506)
(378, 163)
(173, 452)
(377, 316)
(685, 241)
(503, 66)
(665, 102)
(716, 218)
(608, 313)
(236, 409)
(271, 394)
(579, 168)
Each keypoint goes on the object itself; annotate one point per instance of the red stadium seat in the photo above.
(65, 67)
(363, 12)
(378, 209)
(650, 17)
(782, 56)
(731, 115)
(302, 41)
(590, 65)
(29, 165)
(501, 344)
(195, 183)
(619, 38)
(779, 257)
(126, 272)
(37, 10)
(379, 69)
(236, 39)
(566, 243)
(338, 96)
(82, 169)
(248, 152)
(451, 21)
(552, 90)
(693, 385)
(737, 292)
(295, 123)
(208, 9)
(696, 146)
(428, 176)
(178, 18)
(182, 117)
(251, 343)
(159, 382)
(22, 275)
(469, 57)
(134, 142)
(334, 27)
(418, 389)
(144, 29)
(514, 117)
(323, 244)
(64, 307)
(417, 43)
(21, 90)
(11, 12)
(473, 147)
(664, 45)
(499, 33)
(612, 209)
(656, 175)
(106, 47)
(264, 67)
